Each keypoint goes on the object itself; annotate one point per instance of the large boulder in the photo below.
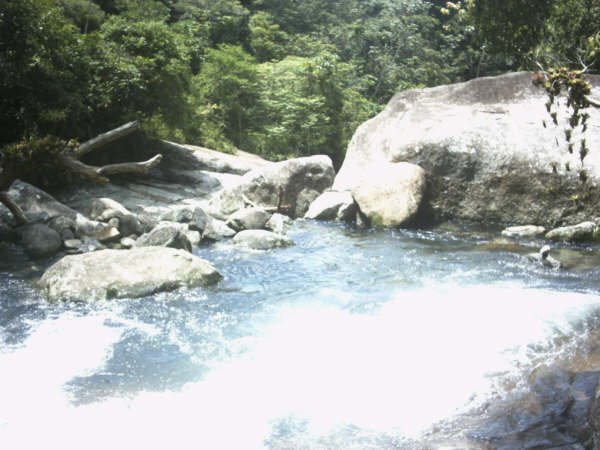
(390, 194)
(138, 272)
(487, 155)
(287, 186)
(39, 205)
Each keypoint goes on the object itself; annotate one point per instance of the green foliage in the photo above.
(227, 92)
(85, 14)
(577, 88)
(278, 77)
(266, 38)
(39, 69)
(37, 161)
(309, 107)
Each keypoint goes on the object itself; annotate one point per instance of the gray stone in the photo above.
(40, 240)
(487, 156)
(261, 239)
(287, 186)
(201, 158)
(37, 203)
(543, 257)
(165, 234)
(332, 205)
(127, 242)
(90, 245)
(72, 244)
(279, 223)
(523, 231)
(195, 237)
(583, 231)
(194, 216)
(217, 230)
(390, 194)
(105, 209)
(107, 234)
(248, 219)
(138, 272)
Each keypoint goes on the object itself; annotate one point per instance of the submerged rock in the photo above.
(543, 257)
(487, 156)
(390, 194)
(261, 239)
(138, 272)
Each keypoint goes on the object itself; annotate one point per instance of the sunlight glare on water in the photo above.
(419, 357)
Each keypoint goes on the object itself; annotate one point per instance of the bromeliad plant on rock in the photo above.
(50, 161)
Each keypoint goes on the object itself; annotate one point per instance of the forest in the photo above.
(279, 78)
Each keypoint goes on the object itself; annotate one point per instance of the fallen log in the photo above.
(69, 157)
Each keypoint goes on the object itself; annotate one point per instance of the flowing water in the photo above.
(348, 340)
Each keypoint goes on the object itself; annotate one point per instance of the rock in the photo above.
(195, 237)
(543, 257)
(390, 194)
(72, 244)
(583, 231)
(107, 234)
(106, 210)
(486, 154)
(138, 272)
(523, 231)
(200, 158)
(165, 234)
(217, 230)
(261, 239)
(332, 205)
(287, 186)
(39, 204)
(194, 216)
(127, 242)
(248, 219)
(40, 240)
(278, 223)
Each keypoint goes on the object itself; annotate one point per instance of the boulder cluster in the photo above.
(474, 151)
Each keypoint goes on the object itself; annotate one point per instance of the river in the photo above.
(378, 339)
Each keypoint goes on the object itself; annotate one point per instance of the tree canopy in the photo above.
(276, 77)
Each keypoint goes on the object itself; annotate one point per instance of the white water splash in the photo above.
(419, 358)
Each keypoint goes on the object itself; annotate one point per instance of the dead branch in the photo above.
(70, 159)
(592, 102)
(105, 138)
(15, 210)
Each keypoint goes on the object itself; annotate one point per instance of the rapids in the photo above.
(348, 340)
